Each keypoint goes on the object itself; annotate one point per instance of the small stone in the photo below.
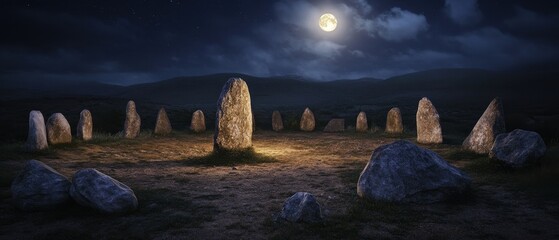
(307, 123)
(489, 125)
(234, 122)
(84, 131)
(198, 123)
(37, 135)
(162, 124)
(428, 126)
(394, 121)
(335, 125)
(518, 148)
(301, 207)
(58, 129)
(277, 121)
(39, 187)
(133, 122)
(361, 124)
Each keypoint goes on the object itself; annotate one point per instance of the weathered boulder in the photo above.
(39, 187)
(198, 122)
(518, 148)
(132, 122)
(301, 207)
(233, 125)
(428, 125)
(307, 123)
(94, 189)
(361, 124)
(335, 125)
(162, 124)
(277, 121)
(37, 135)
(58, 129)
(84, 131)
(489, 125)
(404, 172)
(394, 121)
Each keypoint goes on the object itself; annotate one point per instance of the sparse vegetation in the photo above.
(230, 158)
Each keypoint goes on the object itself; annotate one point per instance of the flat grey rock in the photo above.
(301, 207)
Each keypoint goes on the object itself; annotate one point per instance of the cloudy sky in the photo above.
(126, 42)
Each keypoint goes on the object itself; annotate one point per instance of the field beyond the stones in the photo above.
(184, 192)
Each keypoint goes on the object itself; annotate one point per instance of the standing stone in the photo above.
(133, 122)
(394, 121)
(335, 125)
(301, 207)
(361, 124)
(489, 125)
(233, 125)
(84, 130)
(162, 124)
(39, 187)
(58, 129)
(277, 121)
(307, 123)
(428, 125)
(37, 135)
(198, 123)
(518, 148)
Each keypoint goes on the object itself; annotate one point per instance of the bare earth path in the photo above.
(184, 201)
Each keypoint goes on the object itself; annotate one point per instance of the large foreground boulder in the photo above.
(361, 124)
(84, 131)
(518, 148)
(301, 207)
(307, 123)
(394, 121)
(198, 122)
(94, 189)
(277, 121)
(489, 125)
(234, 122)
(335, 125)
(428, 126)
(37, 135)
(58, 129)
(162, 124)
(404, 172)
(39, 187)
(132, 122)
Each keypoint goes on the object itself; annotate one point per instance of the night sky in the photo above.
(127, 42)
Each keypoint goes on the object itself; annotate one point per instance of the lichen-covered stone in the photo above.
(394, 121)
(37, 135)
(277, 121)
(58, 129)
(518, 148)
(84, 131)
(335, 125)
(132, 122)
(489, 125)
(301, 207)
(162, 123)
(233, 125)
(198, 122)
(361, 124)
(428, 125)
(307, 123)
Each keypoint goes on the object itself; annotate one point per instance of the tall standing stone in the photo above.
(37, 135)
(361, 124)
(84, 130)
(58, 129)
(133, 122)
(277, 121)
(394, 121)
(198, 122)
(307, 123)
(489, 125)
(162, 124)
(233, 125)
(428, 124)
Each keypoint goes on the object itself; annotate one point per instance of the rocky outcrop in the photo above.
(58, 129)
(307, 123)
(394, 121)
(335, 125)
(428, 126)
(162, 124)
(361, 124)
(518, 148)
(84, 131)
(132, 122)
(277, 121)
(489, 125)
(301, 207)
(198, 122)
(37, 135)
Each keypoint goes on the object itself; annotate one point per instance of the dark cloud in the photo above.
(463, 12)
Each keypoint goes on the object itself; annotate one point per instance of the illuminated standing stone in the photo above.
(335, 125)
(58, 129)
(394, 121)
(489, 125)
(428, 125)
(307, 123)
(37, 135)
(277, 121)
(84, 130)
(162, 124)
(133, 122)
(233, 125)
(361, 124)
(198, 123)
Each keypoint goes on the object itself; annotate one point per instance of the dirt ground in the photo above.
(178, 200)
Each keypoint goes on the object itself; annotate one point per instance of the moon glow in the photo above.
(327, 22)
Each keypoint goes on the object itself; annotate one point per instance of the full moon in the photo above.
(327, 22)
